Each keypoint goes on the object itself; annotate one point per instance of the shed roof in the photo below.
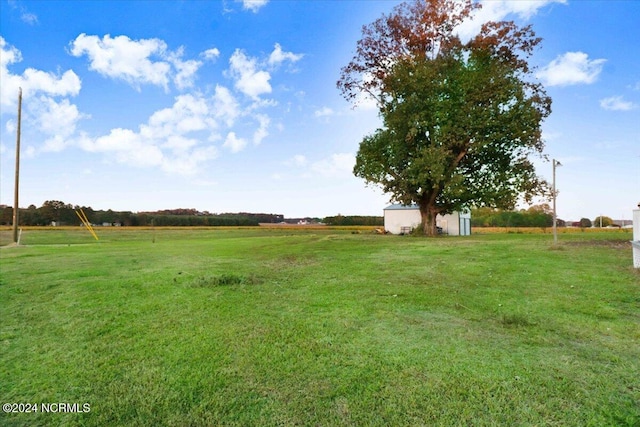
(399, 207)
(415, 207)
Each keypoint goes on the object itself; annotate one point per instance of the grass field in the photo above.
(190, 327)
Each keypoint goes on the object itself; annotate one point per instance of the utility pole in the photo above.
(555, 217)
(15, 193)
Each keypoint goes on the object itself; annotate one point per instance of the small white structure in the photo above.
(636, 238)
(401, 219)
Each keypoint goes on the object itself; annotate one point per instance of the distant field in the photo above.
(319, 326)
(35, 235)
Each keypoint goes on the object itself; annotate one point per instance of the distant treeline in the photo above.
(60, 213)
(354, 220)
(536, 216)
(55, 212)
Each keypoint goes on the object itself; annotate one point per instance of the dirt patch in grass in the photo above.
(227, 279)
(517, 320)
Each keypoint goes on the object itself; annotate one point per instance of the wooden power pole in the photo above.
(15, 193)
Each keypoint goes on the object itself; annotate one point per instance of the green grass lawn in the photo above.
(293, 327)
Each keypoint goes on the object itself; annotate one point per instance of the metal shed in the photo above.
(400, 219)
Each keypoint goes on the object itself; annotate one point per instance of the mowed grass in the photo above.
(320, 327)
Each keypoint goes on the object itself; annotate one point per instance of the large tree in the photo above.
(461, 119)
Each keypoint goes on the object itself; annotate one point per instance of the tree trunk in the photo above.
(428, 214)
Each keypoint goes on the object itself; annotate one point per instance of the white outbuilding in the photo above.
(401, 219)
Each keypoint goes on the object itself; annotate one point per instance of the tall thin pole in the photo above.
(15, 193)
(555, 216)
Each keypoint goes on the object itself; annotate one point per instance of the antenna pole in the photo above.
(15, 194)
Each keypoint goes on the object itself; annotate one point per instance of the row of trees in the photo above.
(60, 213)
(532, 217)
(354, 220)
(536, 216)
(599, 221)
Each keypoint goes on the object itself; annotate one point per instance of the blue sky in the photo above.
(231, 106)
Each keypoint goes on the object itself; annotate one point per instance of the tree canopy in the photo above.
(602, 221)
(461, 119)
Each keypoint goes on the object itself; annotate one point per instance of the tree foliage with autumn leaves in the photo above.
(461, 118)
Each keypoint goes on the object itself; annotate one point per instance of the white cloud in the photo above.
(172, 139)
(55, 143)
(249, 80)
(298, 160)
(31, 81)
(298, 163)
(10, 126)
(125, 59)
(278, 56)
(253, 5)
(188, 114)
(179, 144)
(145, 61)
(250, 75)
(211, 54)
(617, 103)
(57, 120)
(30, 151)
(263, 130)
(29, 18)
(570, 69)
(225, 107)
(323, 112)
(233, 143)
(339, 164)
(39, 81)
(178, 139)
(185, 70)
(128, 146)
(498, 10)
(25, 16)
(190, 162)
(10, 54)
(176, 155)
